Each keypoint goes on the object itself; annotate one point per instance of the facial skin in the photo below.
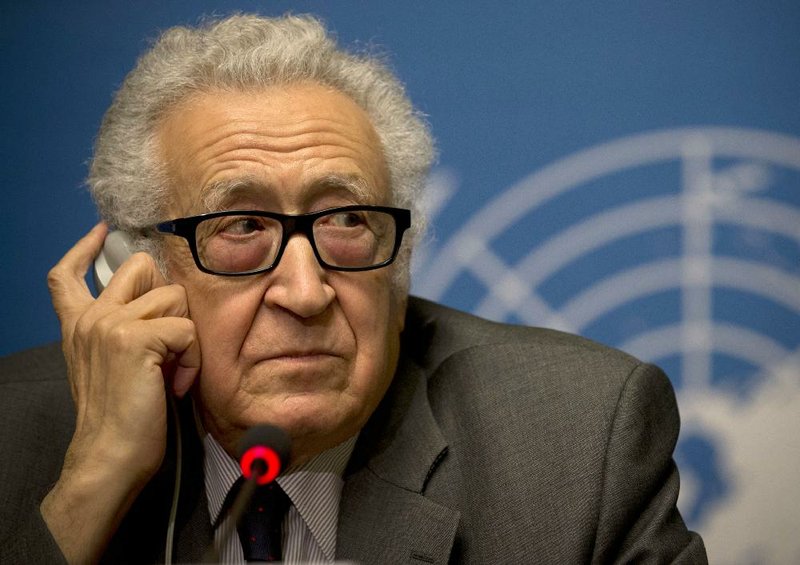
(307, 349)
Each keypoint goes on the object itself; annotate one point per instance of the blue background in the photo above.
(508, 87)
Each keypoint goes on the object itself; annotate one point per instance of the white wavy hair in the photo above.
(243, 52)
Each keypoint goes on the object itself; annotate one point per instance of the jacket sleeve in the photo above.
(30, 541)
(36, 423)
(639, 521)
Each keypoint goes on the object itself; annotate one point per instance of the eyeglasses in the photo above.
(246, 242)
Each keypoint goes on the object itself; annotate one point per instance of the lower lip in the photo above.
(313, 358)
(301, 373)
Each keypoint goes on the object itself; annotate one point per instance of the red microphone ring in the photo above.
(270, 459)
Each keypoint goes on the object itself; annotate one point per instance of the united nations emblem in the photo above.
(681, 247)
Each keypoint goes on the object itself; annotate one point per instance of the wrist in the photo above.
(94, 492)
(103, 454)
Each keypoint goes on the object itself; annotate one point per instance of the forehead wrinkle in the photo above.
(287, 134)
(213, 195)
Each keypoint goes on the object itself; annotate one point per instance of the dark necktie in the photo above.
(260, 526)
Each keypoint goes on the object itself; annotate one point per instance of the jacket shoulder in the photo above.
(37, 418)
(540, 419)
(39, 364)
(34, 389)
(436, 334)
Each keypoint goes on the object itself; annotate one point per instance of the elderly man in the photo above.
(268, 177)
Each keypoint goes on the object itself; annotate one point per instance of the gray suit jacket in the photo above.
(494, 444)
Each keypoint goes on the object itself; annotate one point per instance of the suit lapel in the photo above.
(382, 523)
(384, 516)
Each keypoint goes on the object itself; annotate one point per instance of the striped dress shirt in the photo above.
(315, 488)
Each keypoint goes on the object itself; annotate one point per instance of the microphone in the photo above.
(263, 455)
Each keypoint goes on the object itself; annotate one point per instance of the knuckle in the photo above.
(84, 326)
(178, 292)
(141, 261)
(142, 258)
(54, 277)
(175, 296)
(185, 332)
(187, 325)
(102, 327)
(120, 336)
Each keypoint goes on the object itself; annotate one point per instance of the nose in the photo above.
(298, 284)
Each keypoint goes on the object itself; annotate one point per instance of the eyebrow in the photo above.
(352, 183)
(213, 196)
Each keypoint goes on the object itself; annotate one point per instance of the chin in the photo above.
(314, 421)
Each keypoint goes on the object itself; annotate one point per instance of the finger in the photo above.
(179, 339)
(183, 379)
(164, 301)
(68, 289)
(172, 337)
(189, 363)
(137, 276)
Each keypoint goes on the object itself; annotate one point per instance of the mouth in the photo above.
(304, 353)
(303, 357)
(299, 372)
(311, 356)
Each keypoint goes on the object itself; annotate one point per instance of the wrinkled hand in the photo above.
(124, 351)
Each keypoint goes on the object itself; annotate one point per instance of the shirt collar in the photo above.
(315, 488)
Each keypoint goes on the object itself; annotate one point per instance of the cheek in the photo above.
(222, 327)
(223, 317)
(375, 317)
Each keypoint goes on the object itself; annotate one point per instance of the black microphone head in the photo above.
(264, 452)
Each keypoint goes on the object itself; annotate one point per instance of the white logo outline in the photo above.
(708, 197)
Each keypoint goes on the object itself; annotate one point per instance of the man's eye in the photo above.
(347, 219)
(241, 226)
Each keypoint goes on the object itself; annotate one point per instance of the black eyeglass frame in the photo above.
(290, 224)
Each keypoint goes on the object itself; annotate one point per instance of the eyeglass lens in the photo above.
(243, 243)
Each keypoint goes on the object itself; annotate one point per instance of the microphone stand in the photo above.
(239, 506)
(263, 455)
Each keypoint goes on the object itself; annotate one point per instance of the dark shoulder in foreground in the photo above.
(37, 419)
(43, 363)
(35, 398)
